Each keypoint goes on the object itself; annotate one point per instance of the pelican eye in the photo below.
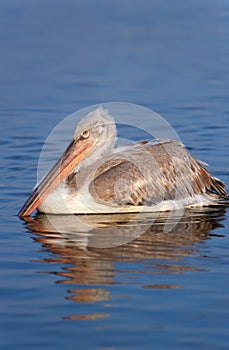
(85, 134)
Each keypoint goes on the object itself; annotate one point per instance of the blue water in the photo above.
(161, 290)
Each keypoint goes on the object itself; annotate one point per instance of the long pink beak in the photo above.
(74, 154)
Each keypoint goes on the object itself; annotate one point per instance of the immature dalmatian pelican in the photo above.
(92, 176)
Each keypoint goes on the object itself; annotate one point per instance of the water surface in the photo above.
(162, 290)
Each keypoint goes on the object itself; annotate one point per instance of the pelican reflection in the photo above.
(84, 252)
(91, 244)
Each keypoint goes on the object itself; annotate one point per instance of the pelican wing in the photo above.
(148, 173)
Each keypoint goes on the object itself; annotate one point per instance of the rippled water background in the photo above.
(161, 290)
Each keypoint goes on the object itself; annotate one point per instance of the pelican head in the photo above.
(97, 128)
(94, 137)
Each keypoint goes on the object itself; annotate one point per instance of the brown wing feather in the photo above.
(151, 173)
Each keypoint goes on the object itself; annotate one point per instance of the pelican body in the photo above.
(92, 176)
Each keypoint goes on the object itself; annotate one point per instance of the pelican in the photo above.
(93, 176)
